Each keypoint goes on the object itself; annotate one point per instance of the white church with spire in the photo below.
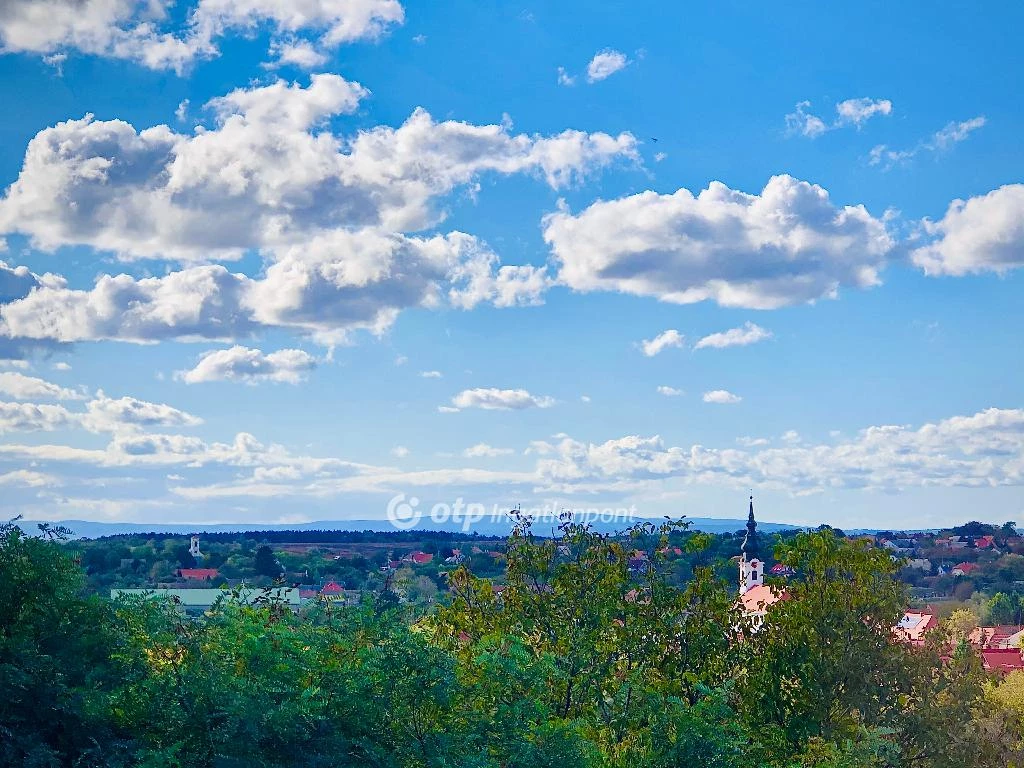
(755, 595)
(751, 566)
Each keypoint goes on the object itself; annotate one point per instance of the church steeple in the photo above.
(749, 547)
(751, 567)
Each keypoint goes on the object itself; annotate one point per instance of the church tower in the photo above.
(193, 547)
(751, 567)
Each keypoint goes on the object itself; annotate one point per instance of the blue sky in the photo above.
(236, 235)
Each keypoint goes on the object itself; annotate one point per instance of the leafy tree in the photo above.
(266, 564)
(54, 647)
(184, 557)
(1002, 609)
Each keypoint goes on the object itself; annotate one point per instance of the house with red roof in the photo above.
(1001, 636)
(964, 569)
(418, 558)
(1002, 660)
(331, 588)
(198, 574)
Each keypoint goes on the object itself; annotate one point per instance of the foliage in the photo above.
(597, 651)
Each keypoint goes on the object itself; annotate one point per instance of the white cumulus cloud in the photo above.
(22, 387)
(981, 234)
(493, 399)
(250, 366)
(670, 391)
(605, 64)
(789, 244)
(721, 397)
(144, 31)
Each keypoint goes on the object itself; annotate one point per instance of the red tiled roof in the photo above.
(965, 567)
(757, 599)
(331, 588)
(421, 558)
(1002, 660)
(1002, 633)
(198, 573)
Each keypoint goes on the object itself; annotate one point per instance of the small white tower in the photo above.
(193, 547)
(751, 567)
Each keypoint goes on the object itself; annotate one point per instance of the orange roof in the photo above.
(198, 573)
(331, 588)
(914, 625)
(757, 599)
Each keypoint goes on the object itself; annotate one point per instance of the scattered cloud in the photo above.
(750, 333)
(399, 451)
(803, 123)
(483, 450)
(105, 414)
(250, 366)
(605, 64)
(22, 387)
(854, 112)
(34, 417)
(564, 78)
(62, 366)
(661, 342)
(181, 112)
(670, 391)
(788, 245)
(859, 111)
(28, 478)
(752, 442)
(981, 234)
(721, 397)
(584, 398)
(431, 374)
(492, 399)
(940, 141)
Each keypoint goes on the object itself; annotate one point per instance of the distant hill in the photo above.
(543, 526)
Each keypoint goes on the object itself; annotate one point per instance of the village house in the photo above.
(1002, 660)
(914, 625)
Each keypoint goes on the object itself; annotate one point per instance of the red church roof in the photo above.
(198, 573)
(757, 599)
